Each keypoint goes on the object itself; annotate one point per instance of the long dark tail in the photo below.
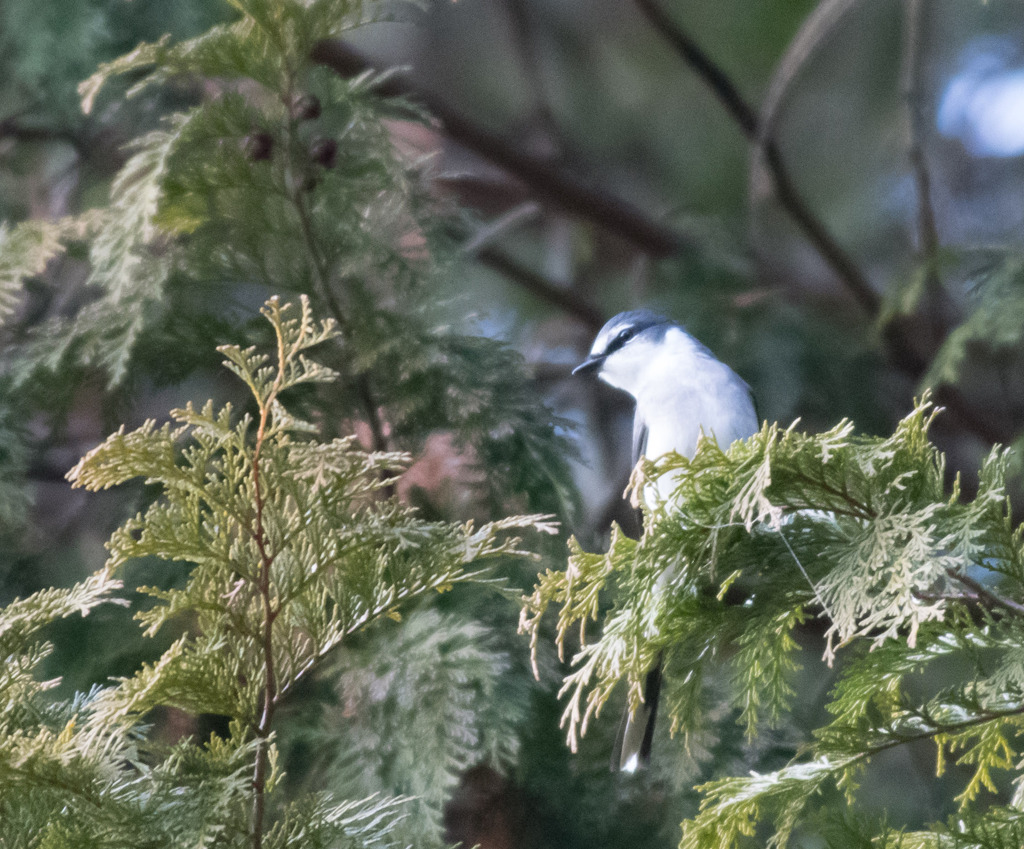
(636, 731)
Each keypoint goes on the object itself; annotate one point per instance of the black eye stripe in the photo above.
(621, 339)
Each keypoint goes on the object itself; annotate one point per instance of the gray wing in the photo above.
(639, 437)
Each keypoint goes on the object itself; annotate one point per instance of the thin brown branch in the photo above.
(928, 242)
(952, 728)
(841, 263)
(12, 128)
(322, 280)
(984, 592)
(820, 24)
(700, 63)
(746, 117)
(530, 62)
(960, 598)
(968, 599)
(927, 231)
(480, 245)
(538, 285)
(968, 418)
(546, 179)
(101, 150)
(263, 587)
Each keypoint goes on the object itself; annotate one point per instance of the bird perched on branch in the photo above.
(681, 391)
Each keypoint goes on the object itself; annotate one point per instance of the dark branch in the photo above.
(11, 128)
(980, 718)
(928, 242)
(984, 592)
(548, 180)
(530, 62)
(703, 66)
(747, 118)
(966, 416)
(817, 233)
(99, 149)
(538, 285)
(928, 234)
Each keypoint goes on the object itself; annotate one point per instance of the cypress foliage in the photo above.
(291, 548)
(785, 530)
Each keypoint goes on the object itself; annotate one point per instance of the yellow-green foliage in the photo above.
(785, 529)
(289, 545)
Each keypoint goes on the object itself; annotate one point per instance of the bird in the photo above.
(681, 391)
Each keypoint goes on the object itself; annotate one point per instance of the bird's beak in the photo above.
(591, 363)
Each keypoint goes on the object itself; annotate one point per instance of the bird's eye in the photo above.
(620, 339)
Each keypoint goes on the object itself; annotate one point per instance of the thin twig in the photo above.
(928, 243)
(99, 151)
(952, 728)
(820, 24)
(785, 188)
(530, 61)
(539, 285)
(547, 179)
(481, 245)
(323, 285)
(703, 66)
(263, 587)
(818, 233)
(984, 592)
(928, 234)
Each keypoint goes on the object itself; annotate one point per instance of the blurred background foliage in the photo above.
(827, 194)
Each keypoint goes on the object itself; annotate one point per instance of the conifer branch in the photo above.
(290, 553)
(939, 729)
(732, 806)
(284, 545)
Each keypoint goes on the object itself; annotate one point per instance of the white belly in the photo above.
(683, 397)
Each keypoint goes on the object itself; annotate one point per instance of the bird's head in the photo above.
(624, 347)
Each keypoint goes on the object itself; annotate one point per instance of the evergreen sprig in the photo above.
(293, 546)
(783, 529)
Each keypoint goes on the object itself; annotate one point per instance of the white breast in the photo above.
(683, 391)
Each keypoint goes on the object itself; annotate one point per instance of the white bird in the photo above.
(681, 391)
